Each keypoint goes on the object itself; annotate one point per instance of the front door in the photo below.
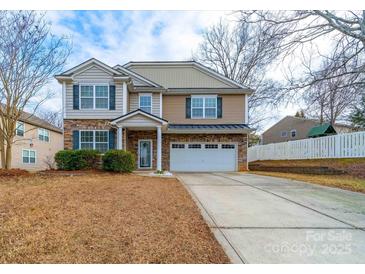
(145, 153)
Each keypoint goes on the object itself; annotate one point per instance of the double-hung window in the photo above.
(19, 130)
(293, 133)
(204, 107)
(145, 102)
(94, 96)
(28, 156)
(94, 139)
(43, 134)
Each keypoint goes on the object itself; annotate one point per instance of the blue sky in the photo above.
(116, 37)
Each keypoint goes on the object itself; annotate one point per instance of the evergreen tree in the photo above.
(357, 117)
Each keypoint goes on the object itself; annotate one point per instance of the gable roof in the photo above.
(309, 120)
(136, 112)
(38, 122)
(135, 75)
(321, 130)
(88, 63)
(193, 64)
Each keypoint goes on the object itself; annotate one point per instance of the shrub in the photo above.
(119, 161)
(77, 159)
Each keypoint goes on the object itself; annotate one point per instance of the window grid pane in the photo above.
(101, 136)
(101, 91)
(210, 102)
(197, 102)
(19, 128)
(197, 112)
(87, 136)
(210, 112)
(87, 91)
(87, 102)
(87, 146)
(101, 147)
(101, 102)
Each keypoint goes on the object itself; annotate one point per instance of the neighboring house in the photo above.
(178, 116)
(292, 128)
(35, 143)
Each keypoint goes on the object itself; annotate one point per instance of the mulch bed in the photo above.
(102, 218)
(13, 172)
(351, 166)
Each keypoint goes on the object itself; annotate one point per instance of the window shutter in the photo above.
(188, 107)
(111, 139)
(75, 139)
(112, 97)
(76, 98)
(219, 107)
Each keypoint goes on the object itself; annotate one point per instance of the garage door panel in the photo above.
(202, 157)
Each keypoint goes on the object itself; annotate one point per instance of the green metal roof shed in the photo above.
(321, 130)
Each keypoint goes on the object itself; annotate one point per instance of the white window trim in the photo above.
(145, 94)
(16, 128)
(281, 134)
(35, 156)
(46, 130)
(151, 156)
(94, 95)
(204, 97)
(293, 130)
(94, 142)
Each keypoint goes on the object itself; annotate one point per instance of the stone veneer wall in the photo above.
(131, 137)
(70, 125)
(240, 139)
(132, 143)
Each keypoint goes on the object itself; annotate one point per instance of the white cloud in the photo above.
(129, 36)
(118, 37)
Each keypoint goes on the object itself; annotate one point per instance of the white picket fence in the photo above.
(348, 145)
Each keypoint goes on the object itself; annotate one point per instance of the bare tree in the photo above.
(328, 102)
(52, 117)
(343, 33)
(244, 53)
(29, 57)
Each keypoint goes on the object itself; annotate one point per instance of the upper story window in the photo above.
(94, 139)
(293, 133)
(19, 130)
(145, 102)
(284, 134)
(43, 134)
(204, 107)
(94, 96)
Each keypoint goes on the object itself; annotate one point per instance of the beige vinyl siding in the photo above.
(233, 110)
(302, 127)
(134, 102)
(140, 120)
(45, 151)
(178, 77)
(94, 75)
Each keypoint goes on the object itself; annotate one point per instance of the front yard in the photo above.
(101, 218)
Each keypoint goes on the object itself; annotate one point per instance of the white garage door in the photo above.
(203, 157)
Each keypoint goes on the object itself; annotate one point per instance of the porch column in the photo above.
(125, 98)
(120, 138)
(159, 146)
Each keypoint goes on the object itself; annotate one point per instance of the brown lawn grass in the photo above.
(102, 218)
(339, 181)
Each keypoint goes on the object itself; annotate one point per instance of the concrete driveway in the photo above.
(260, 219)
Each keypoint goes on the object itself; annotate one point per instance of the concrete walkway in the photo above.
(260, 219)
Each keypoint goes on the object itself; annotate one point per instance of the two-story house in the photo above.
(35, 143)
(178, 116)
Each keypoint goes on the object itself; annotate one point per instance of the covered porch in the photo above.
(141, 133)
